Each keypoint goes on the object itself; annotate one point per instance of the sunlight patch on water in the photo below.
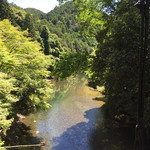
(71, 120)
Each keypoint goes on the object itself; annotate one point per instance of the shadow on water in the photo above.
(91, 136)
(113, 139)
(75, 122)
(19, 134)
(78, 136)
(108, 137)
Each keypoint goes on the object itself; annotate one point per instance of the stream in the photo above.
(74, 122)
(69, 123)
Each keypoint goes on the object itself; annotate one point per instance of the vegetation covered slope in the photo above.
(62, 22)
(64, 19)
(37, 12)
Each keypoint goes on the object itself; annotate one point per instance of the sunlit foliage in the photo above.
(70, 64)
(23, 73)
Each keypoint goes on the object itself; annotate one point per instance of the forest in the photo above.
(100, 39)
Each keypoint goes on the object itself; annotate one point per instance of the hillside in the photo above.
(62, 22)
(66, 27)
(37, 12)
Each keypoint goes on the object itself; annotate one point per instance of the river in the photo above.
(70, 122)
(74, 122)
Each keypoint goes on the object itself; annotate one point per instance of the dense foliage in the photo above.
(39, 14)
(115, 63)
(70, 64)
(24, 68)
(66, 26)
(22, 74)
(62, 22)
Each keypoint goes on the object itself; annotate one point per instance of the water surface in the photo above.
(71, 121)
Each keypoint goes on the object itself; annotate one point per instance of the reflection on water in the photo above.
(75, 121)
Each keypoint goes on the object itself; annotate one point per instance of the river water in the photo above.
(72, 119)
(74, 122)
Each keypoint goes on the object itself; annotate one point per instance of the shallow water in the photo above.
(71, 121)
(74, 122)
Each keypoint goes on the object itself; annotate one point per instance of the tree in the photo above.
(115, 63)
(23, 73)
(28, 24)
(70, 64)
(66, 26)
(45, 36)
(6, 12)
(37, 13)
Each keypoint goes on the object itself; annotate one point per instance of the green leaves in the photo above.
(6, 100)
(70, 64)
(45, 35)
(116, 62)
(23, 70)
(6, 12)
(90, 15)
(66, 26)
